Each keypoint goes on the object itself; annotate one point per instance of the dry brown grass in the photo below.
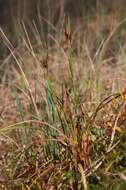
(63, 110)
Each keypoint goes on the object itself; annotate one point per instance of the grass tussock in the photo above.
(63, 109)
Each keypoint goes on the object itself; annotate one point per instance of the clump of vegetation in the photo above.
(63, 117)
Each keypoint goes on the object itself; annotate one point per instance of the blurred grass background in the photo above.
(12, 12)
